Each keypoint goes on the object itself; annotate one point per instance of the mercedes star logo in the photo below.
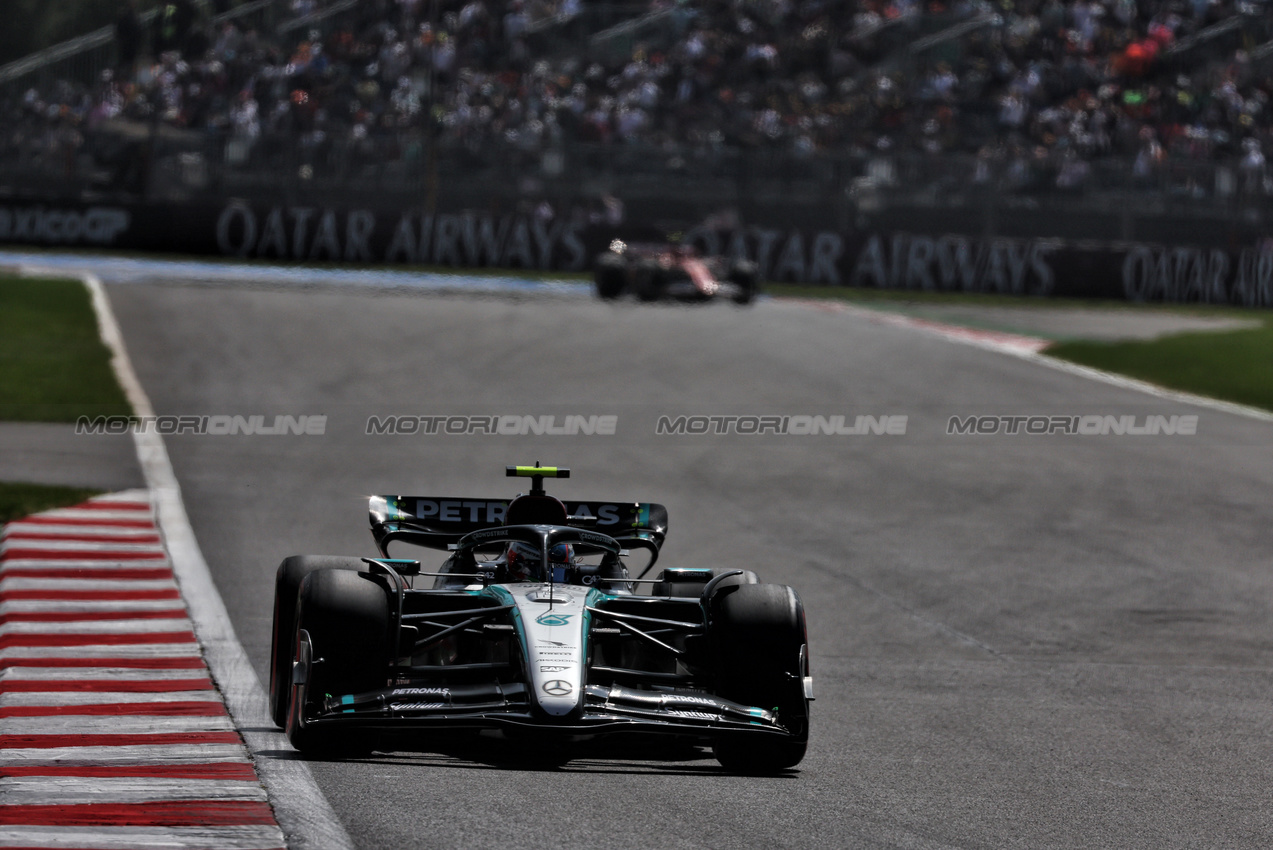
(557, 688)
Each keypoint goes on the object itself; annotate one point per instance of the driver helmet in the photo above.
(523, 562)
(561, 558)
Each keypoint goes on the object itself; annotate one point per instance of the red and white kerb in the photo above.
(112, 734)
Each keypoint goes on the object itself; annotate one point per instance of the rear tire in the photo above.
(745, 276)
(761, 648)
(648, 283)
(287, 584)
(346, 618)
(610, 277)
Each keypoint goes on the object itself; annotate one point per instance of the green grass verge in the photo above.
(19, 500)
(1234, 365)
(53, 364)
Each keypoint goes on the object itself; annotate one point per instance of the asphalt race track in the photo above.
(1017, 640)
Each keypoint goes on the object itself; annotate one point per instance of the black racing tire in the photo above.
(648, 282)
(695, 588)
(610, 277)
(760, 644)
(287, 584)
(746, 277)
(346, 616)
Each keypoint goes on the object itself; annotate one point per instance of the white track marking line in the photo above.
(141, 838)
(97, 674)
(1127, 383)
(108, 534)
(87, 606)
(55, 559)
(1008, 343)
(132, 753)
(299, 805)
(185, 650)
(89, 577)
(1033, 349)
(51, 790)
(96, 627)
(133, 526)
(137, 724)
(60, 570)
(85, 546)
(35, 698)
(97, 584)
(98, 516)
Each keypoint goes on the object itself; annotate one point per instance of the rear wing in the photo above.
(439, 521)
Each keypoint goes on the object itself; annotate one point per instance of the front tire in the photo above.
(287, 584)
(344, 617)
(760, 642)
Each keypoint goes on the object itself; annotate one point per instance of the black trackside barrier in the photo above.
(1234, 274)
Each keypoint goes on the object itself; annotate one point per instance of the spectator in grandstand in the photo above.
(173, 25)
(1054, 85)
(1150, 156)
(1252, 167)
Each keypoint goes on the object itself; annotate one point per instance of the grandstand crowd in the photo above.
(1070, 81)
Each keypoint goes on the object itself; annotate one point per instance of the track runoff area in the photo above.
(900, 650)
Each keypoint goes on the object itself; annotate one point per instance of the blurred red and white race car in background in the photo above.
(655, 271)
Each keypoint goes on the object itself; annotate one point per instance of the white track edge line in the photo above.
(1124, 382)
(1042, 358)
(306, 818)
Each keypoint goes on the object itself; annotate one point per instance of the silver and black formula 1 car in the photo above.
(654, 271)
(533, 631)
